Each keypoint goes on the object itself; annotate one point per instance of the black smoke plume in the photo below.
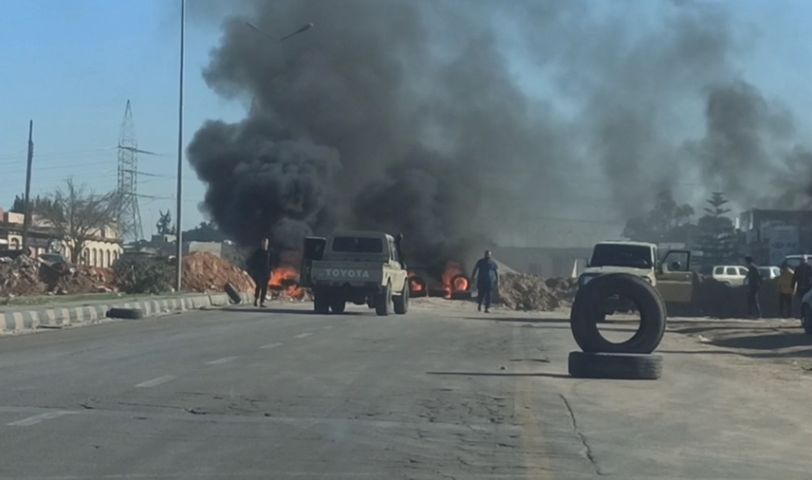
(467, 123)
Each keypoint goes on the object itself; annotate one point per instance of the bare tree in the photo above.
(78, 215)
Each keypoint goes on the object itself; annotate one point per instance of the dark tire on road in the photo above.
(232, 293)
(128, 313)
(338, 305)
(383, 300)
(806, 319)
(402, 301)
(588, 310)
(628, 366)
(321, 302)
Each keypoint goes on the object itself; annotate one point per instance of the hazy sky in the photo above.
(71, 66)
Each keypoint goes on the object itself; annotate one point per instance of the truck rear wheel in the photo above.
(383, 300)
(338, 305)
(321, 302)
(402, 301)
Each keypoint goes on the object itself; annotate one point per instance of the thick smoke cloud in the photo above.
(462, 124)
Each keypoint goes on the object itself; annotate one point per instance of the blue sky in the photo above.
(71, 66)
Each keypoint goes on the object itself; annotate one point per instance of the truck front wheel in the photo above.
(321, 302)
(383, 300)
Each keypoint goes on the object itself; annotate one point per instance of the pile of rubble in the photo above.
(28, 276)
(526, 292)
(564, 289)
(20, 276)
(204, 272)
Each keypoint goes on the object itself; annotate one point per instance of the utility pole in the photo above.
(27, 219)
(179, 204)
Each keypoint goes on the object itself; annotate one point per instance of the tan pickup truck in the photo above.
(358, 267)
(670, 275)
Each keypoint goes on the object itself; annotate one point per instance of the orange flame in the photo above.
(285, 279)
(417, 285)
(454, 279)
(460, 283)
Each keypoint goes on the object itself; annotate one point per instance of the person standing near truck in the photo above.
(802, 281)
(786, 289)
(753, 282)
(259, 267)
(486, 275)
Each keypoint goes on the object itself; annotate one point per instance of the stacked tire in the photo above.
(632, 359)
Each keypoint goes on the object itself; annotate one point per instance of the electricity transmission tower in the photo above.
(130, 214)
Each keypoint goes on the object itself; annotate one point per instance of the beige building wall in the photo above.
(99, 253)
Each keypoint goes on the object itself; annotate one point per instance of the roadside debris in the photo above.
(20, 276)
(519, 291)
(204, 272)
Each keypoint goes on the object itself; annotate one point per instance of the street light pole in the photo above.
(179, 204)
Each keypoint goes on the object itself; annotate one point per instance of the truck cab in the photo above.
(361, 267)
(670, 275)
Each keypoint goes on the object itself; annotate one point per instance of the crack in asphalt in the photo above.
(576, 429)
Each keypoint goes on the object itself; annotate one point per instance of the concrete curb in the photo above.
(59, 317)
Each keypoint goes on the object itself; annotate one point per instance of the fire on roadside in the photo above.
(417, 286)
(285, 279)
(454, 280)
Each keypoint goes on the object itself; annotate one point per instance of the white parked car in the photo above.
(794, 260)
(732, 275)
(769, 273)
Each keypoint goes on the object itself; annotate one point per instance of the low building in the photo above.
(102, 250)
(770, 235)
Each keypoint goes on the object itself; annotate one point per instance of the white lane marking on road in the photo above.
(303, 335)
(327, 327)
(220, 361)
(155, 381)
(27, 422)
(271, 345)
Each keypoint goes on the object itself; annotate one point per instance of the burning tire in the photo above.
(627, 366)
(589, 309)
(321, 302)
(402, 301)
(417, 286)
(383, 300)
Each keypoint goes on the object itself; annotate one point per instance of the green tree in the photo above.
(717, 238)
(164, 225)
(667, 221)
(37, 204)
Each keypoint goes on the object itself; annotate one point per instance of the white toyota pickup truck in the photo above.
(358, 267)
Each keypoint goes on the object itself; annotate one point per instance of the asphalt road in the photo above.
(439, 393)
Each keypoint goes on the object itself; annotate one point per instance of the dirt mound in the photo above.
(518, 291)
(20, 276)
(84, 279)
(564, 289)
(203, 272)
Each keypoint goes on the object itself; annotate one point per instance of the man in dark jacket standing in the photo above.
(486, 276)
(753, 282)
(802, 280)
(259, 267)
